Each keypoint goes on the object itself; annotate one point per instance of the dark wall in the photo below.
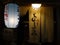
(58, 24)
(1, 21)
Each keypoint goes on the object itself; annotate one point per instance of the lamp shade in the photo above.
(11, 15)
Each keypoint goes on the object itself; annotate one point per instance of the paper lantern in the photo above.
(11, 15)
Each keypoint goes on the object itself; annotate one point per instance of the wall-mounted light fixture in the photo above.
(36, 6)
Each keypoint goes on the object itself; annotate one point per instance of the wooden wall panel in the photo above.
(46, 23)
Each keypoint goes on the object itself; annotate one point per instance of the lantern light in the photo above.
(11, 15)
(36, 6)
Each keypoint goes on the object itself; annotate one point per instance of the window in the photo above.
(11, 15)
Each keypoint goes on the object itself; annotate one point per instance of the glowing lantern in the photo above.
(11, 15)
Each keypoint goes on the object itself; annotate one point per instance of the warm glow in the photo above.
(12, 20)
(36, 6)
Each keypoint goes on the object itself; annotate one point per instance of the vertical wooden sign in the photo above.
(34, 25)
